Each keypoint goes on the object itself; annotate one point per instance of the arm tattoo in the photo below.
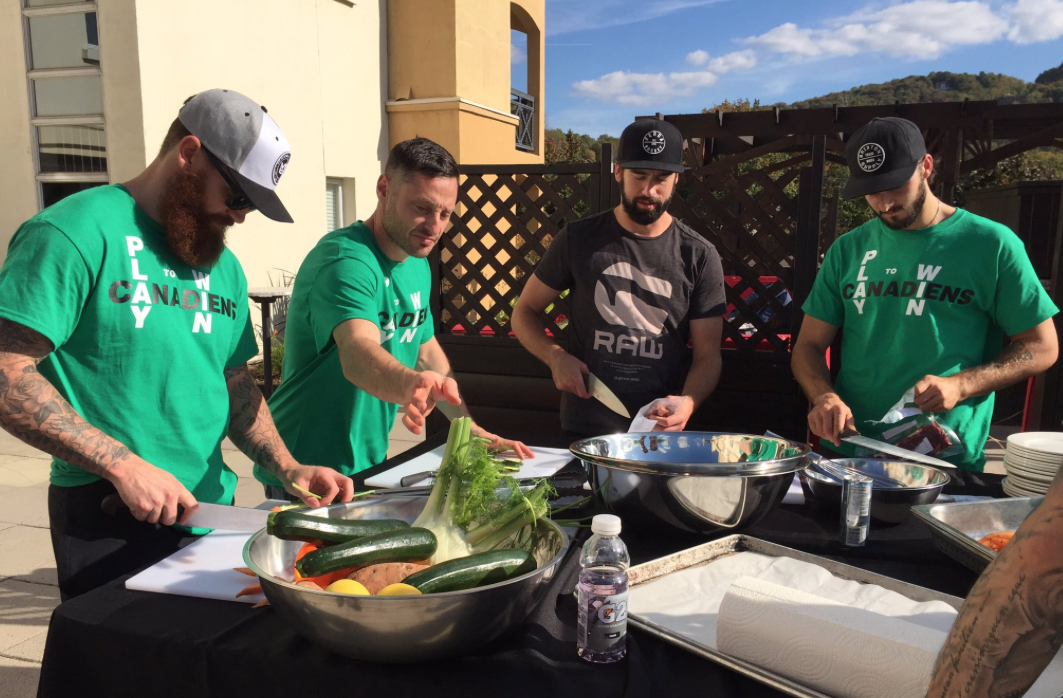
(1011, 625)
(34, 411)
(251, 425)
(1015, 353)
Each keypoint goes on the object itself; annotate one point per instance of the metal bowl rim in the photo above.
(823, 479)
(438, 595)
(776, 466)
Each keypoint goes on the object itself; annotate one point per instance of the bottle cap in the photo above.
(605, 525)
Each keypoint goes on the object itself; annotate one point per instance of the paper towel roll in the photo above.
(831, 647)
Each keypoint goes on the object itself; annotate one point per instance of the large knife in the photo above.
(856, 439)
(217, 516)
(604, 395)
(227, 518)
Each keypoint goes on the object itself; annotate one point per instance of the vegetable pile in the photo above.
(477, 528)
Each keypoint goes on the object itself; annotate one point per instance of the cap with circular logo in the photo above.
(239, 132)
(882, 155)
(651, 144)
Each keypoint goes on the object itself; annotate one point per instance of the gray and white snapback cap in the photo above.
(239, 133)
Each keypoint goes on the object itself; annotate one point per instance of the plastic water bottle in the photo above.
(856, 511)
(602, 633)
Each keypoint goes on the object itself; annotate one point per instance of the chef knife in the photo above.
(604, 395)
(206, 516)
(227, 518)
(856, 439)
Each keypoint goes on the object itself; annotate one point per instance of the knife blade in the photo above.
(604, 395)
(883, 447)
(228, 518)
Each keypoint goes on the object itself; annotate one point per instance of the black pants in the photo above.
(93, 548)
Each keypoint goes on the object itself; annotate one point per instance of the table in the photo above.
(115, 642)
(266, 297)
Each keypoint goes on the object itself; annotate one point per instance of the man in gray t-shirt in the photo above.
(642, 286)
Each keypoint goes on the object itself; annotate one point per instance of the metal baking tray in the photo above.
(956, 528)
(709, 552)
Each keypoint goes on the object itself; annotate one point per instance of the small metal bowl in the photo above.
(915, 484)
(401, 628)
(694, 482)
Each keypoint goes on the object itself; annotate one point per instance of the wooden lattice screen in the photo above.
(507, 216)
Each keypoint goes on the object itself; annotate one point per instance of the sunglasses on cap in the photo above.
(238, 201)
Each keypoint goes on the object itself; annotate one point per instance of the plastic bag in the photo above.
(905, 425)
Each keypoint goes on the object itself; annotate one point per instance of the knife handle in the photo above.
(112, 505)
(415, 478)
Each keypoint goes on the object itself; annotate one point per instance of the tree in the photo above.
(1050, 76)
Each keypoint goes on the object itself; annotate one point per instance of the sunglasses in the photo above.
(238, 201)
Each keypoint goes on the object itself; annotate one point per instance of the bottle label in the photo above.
(603, 622)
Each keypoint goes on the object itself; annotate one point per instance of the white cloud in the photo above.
(564, 16)
(652, 89)
(1035, 20)
(517, 55)
(697, 58)
(738, 60)
(915, 30)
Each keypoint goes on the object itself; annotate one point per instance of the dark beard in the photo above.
(643, 216)
(913, 212)
(194, 236)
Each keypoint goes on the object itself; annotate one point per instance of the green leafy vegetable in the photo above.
(475, 506)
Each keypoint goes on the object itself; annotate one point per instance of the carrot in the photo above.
(260, 604)
(245, 570)
(250, 591)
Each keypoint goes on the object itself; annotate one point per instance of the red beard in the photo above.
(194, 236)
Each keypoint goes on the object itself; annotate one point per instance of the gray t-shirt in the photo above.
(632, 299)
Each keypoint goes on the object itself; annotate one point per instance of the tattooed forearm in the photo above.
(1011, 625)
(34, 411)
(1015, 353)
(251, 425)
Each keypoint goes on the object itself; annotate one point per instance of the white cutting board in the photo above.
(547, 461)
(203, 568)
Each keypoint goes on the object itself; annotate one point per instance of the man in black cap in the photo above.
(124, 340)
(926, 293)
(642, 285)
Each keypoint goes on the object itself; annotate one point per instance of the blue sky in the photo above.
(610, 60)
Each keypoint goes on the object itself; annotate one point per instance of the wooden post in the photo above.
(605, 197)
(806, 251)
(950, 168)
(1046, 386)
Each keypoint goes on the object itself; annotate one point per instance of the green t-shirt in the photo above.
(926, 302)
(322, 417)
(141, 339)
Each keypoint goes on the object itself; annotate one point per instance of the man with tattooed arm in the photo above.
(1011, 624)
(926, 293)
(124, 340)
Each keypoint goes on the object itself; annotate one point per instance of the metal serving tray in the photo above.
(710, 552)
(956, 528)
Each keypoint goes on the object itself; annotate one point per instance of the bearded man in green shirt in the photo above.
(124, 340)
(926, 293)
(359, 339)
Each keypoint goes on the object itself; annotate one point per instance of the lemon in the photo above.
(399, 590)
(348, 586)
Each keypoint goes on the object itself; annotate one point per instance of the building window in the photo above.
(66, 97)
(333, 203)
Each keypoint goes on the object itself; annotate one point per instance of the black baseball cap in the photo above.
(651, 144)
(882, 155)
(238, 132)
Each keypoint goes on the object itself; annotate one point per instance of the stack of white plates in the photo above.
(1031, 460)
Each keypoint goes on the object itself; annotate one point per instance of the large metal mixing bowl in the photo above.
(701, 482)
(401, 628)
(913, 484)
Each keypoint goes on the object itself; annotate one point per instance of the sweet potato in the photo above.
(997, 541)
(376, 577)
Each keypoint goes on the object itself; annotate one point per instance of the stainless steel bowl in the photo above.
(401, 628)
(700, 482)
(915, 484)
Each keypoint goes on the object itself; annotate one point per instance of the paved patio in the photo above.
(28, 591)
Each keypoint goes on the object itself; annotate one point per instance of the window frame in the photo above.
(338, 201)
(40, 178)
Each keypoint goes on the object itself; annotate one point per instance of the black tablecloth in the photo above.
(116, 642)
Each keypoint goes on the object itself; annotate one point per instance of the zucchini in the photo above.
(473, 571)
(292, 525)
(401, 545)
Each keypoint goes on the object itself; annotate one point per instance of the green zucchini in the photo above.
(402, 545)
(473, 571)
(292, 525)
